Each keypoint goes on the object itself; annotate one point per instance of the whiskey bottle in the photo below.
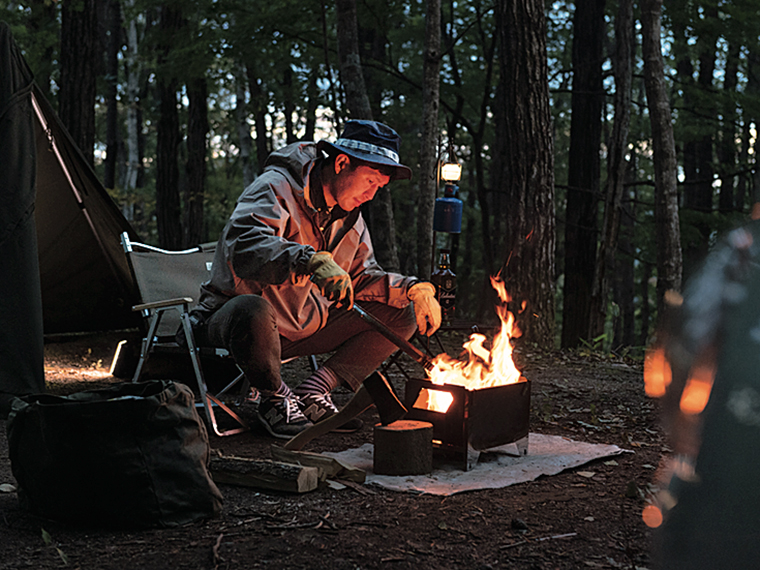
(445, 282)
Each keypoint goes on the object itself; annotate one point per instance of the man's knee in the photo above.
(240, 317)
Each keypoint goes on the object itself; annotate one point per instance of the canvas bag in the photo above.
(131, 455)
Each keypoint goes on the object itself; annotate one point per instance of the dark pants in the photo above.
(246, 326)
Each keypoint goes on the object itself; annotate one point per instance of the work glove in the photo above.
(332, 280)
(426, 307)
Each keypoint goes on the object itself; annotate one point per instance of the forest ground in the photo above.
(577, 394)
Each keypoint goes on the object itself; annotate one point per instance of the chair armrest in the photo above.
(160, 304)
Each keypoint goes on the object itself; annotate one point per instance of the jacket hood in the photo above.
(295, 160)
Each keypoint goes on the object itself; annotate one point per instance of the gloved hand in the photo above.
(332, 280)
(426, 307)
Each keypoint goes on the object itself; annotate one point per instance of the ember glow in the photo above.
(657, 373)
(483, 368)
(696, 393)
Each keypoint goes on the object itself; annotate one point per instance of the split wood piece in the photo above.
(404, 447)
(264, 474)
(329, 467)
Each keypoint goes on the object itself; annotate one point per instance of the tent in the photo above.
(63, 269)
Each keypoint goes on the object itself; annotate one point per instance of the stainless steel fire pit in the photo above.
(476, 420)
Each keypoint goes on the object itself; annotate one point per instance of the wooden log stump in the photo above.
(404, 447)
(264, 474)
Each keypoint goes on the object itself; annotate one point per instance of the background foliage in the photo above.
(277, 63)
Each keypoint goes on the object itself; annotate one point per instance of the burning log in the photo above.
(403, 448)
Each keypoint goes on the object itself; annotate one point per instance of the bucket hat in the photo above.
(371, 142)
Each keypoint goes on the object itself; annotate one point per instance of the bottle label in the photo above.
(447, 290)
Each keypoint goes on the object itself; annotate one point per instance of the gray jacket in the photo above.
(270, 237)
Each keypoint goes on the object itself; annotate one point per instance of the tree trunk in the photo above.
(616, 166)
(80, 56)
(646, 274)
(583, 170)
(351, 76)
(624, 276)
(668, 236)
(112, 77)
(328, 68)
(243, 128)
(698, 142)
(197, 131)
(312, 105)
(289, 105)
(526, 153)
(379, 212)
(132, 101)
(727, 148)
(167, 141)
(427, 178)
(259, 102)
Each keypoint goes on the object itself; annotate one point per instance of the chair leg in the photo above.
(207, 398)
(146, 344)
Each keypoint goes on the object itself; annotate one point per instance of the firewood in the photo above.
(264, 474)
(404, 447)
(329, 467)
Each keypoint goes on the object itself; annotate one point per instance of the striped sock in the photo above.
(323, 381)
(282, 392)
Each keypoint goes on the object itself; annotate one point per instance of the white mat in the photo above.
(547, 455)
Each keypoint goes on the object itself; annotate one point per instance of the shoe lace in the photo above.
(292, 411)
(326, 401)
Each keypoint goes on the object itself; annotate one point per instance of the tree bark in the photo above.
(243, 128)
(132, 101)
(168, 210)
(697, 142)
(668, 236)
(197, 132)
(428, 174)
(352, 79)
(80, 56)
(581, 224)
(616, 166)
(526, 153)
(112, 77)
(259, 102)
(727, 147)
(379, 212)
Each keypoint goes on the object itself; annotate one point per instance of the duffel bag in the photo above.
(129, 455)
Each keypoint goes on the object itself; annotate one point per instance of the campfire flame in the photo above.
(483, 368)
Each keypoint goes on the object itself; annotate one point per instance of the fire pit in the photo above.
(474, 420)
(477, 403)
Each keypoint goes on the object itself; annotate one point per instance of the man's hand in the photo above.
(332, 280)
(426, 307)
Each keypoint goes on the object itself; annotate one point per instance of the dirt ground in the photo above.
(589, 517)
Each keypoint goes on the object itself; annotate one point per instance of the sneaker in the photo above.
(281, 416)
(317, 407)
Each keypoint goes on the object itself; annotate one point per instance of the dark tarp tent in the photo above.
(63, 269)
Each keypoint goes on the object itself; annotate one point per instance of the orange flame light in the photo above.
(657, 373)
(696, 393)
(483, 368)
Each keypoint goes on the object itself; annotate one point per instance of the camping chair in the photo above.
(167, 282)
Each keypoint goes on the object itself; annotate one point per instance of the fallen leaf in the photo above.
(589, 519)
(611, 463)
(7, 488)
(586, 474)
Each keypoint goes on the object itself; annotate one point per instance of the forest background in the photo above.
(605, 145)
